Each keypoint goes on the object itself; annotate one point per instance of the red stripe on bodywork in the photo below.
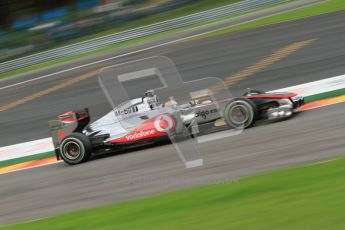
(273, 96)
(146, 130)
(68, 117)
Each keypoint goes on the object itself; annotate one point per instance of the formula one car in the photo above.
(144, 120)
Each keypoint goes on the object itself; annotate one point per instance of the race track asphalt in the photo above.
(211, 57)
(310, 136)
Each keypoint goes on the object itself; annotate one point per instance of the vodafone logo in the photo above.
(163, 123)
(139, 135)
(155, 127)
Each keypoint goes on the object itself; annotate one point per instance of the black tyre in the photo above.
(240, 113)
(75, 148)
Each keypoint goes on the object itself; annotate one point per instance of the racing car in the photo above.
(145, 120)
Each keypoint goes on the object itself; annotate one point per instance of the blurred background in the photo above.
(31, 26)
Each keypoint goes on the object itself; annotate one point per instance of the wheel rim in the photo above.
(239, 114)
(72, 150)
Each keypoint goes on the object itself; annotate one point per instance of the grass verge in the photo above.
(322, 8)
(306, 197)
(83, 55)
(327, 7)
(193, 8)
(183, 11)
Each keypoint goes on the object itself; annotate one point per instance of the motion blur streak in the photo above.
(47, 91)
(266, 62)
(229, 81)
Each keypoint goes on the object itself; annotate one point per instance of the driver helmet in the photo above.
(150, 93)
(151, 98)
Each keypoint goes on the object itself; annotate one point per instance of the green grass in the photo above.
(189, 9)
(192, 8)
(327, 7)
(323, 8)
(83, 55)
(306, 197)
(183, 11)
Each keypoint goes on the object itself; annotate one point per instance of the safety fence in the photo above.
(140, 32)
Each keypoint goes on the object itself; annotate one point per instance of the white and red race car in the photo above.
(144, 120)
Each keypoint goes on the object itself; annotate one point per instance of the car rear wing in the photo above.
(67, 123)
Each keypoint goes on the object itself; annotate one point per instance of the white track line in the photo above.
(26, 149)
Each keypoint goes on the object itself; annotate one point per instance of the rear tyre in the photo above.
(240, 113)
(75, 148)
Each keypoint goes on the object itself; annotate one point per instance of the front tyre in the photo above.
(75, 148)
(240, 113)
